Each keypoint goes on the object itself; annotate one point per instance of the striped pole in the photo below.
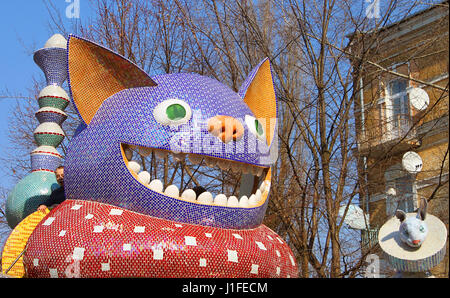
(35, 188)
(52, 59)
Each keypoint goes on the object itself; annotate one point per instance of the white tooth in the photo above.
(243, 202)
(160, 153)
(172, 191)
(179, 156)
(210, 162)
(156, 185)
(258, 195)
(223, 164)
(265, 186)
(195, 159)
(205, 198)
(128, 153)
(134, 166)
(145, 151)
(252, 201)
(259, 171)
(189, 195)
(220, 200)
(233, 202)
(144, 176)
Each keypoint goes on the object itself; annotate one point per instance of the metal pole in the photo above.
(15, 261)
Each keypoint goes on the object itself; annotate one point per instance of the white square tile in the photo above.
(260, 245)
(232, 256)
(292, 260)
(48, 221)
(115, 212)
(78, 253)
(62, 233)
(178, 225)
(254, 269)
(237, 236)
(278, 253)
(76, 207)
(53, 273)
(89, 216)
(158, 254)
(139, 229)
(202, 263)
(127, 247)
(209, 235)
(105, 267)
(98, 229)
(189, 240)
(36, 262)
(268, 236)
(278, 270)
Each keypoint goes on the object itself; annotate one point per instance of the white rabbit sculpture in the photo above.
(413, 230)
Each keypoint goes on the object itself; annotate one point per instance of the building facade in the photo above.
(391, 120)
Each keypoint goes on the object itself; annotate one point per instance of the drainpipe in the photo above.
(361, 98)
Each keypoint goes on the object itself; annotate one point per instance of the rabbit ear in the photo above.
(422, 212)
(400, 214)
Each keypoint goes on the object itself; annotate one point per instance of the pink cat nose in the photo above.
(416, 242)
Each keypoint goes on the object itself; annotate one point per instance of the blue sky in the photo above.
(25, 29)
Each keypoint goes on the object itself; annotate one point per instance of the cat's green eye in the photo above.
(175, 112)
(172, 111)
(255, 127)
(259, 128)
(421, 229)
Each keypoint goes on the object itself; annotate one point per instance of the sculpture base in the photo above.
(406, 259)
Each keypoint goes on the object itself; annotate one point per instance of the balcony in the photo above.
(397, 135)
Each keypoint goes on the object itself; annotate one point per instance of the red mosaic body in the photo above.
(88, 239)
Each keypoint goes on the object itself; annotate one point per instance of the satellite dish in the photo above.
(411, 162)
(354, 217)
(419, 99)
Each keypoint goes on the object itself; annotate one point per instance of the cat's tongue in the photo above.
(89, 239)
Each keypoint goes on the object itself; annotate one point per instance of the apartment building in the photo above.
(401, 119)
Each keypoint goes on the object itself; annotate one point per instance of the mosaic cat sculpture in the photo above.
(413, 230)
(117, 223)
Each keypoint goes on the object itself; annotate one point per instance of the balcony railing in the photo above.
(397, 134)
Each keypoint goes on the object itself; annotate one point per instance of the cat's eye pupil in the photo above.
(175, 112)
(421, 228)
(259, 128)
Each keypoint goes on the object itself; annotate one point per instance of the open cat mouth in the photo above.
(224, 183)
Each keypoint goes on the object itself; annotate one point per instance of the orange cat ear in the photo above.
(258, 93)
(96, 73)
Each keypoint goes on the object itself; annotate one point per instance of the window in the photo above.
(393, 109)
(400, 110)
(405, 195)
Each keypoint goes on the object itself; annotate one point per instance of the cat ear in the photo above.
(96, 73)
(258, 93)
(400, 214)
